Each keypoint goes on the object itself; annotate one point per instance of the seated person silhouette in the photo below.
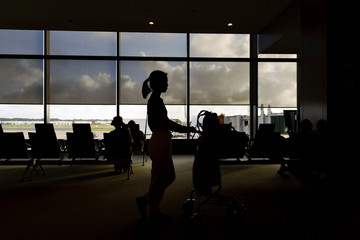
(137, 136)
(124, 139)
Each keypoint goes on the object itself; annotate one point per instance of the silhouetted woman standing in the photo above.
(162, 172)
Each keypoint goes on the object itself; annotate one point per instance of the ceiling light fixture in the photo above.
(151, 23)
(230, 24)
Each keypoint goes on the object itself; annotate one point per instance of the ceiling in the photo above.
(203, 16)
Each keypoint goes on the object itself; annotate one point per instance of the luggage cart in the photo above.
(206, 173)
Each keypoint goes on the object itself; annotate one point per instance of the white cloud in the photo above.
(277, 84)
(99, 81)
(217, 83)
(97, 89)
(219, 45)
(21, 81)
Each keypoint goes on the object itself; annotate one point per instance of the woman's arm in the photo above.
(158, 118)
(173, 126)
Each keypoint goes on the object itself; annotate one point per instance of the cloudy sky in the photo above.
(94, 82)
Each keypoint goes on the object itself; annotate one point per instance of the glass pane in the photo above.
(133, 74)
(21, 42)
(238, 116)
(153, 44)
(219, 83)
(83, 43)
(82, 82)
(277, 84)
(21, 81)
(99, 116)
(138, 114)
(21, 118)
(275, 116)
(220, 45)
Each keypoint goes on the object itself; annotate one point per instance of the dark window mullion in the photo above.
(118, 74)
(46, 80)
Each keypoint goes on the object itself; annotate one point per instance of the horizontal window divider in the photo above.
(275, 107)
(21, 56)
(136, 58)
(22, 103)
(220, 59)
(85, 104)
(217, 104)
(130, 58)
(74, 57)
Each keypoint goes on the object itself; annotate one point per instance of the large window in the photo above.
(82, 82)
(277, 84)
(133, 74)
(21, 80)
(82, 90)
(214, 83)
(64, 77)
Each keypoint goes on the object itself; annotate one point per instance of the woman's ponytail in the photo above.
(145, 88)
(155, 80)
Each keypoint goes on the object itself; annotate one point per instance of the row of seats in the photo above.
(79, 145)
(43, 143)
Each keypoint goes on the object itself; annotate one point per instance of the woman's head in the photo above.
(157, 81)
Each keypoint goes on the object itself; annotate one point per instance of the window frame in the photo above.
(253, 61)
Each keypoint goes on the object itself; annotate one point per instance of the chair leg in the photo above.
(30, 163)
(35, 165)
(32, 171)
(130, 170)
(144, 159)
(42, 169)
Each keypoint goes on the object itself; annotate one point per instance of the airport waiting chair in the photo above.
(80, 143)
(44, 145)
(291, 123)
(138, 144)
(232, 143)
(13, 147)
(81, 128)
(118, 150)
(267, 143)
(138, 140)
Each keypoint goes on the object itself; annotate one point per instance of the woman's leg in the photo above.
(162, 172)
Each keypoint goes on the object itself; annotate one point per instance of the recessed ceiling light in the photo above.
(229, 24)
(151, 23)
